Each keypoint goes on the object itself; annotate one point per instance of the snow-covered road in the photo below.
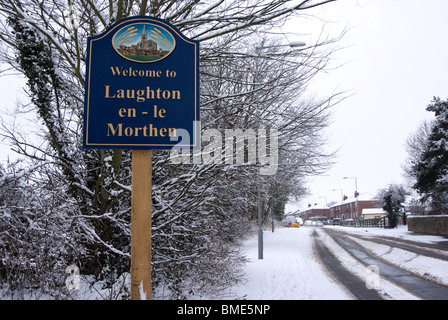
(289, 269)
(292, 270)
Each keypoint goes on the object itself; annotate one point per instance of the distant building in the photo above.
(349, 208)
(352, 208)
(373, 213)
(315, 212)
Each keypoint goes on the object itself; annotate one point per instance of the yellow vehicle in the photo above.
(297, 223)
(293, 222)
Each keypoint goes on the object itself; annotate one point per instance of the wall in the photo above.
(436, 225)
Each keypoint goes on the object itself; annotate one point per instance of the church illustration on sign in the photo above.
(145, 49)
(145, 43)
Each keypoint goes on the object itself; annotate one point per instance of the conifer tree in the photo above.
(431, 171)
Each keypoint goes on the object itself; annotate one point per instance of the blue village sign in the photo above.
(142, 87)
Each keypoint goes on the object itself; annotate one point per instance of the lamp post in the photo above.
(294, 44)
(258, 49)
(356, 192)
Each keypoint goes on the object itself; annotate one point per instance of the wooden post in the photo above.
(141, 225)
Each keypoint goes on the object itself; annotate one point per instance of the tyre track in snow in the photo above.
(354, 284)
(418, 286)
(432, 250)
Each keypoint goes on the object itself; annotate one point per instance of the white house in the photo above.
(372, 213)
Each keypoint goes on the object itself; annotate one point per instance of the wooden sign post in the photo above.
(141, 225)
(142, 87)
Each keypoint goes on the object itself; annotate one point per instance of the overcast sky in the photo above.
(396, 61)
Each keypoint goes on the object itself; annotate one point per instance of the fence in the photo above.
(366, 223)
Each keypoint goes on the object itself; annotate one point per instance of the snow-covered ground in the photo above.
(290, 270)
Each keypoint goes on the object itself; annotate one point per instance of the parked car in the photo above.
(319, 224)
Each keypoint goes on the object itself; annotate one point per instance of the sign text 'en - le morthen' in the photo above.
(141, 95)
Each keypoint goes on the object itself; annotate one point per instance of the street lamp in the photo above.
(356, 192)
(295, 44)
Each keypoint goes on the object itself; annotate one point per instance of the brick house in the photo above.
(352, 209)
(316, 211)
(347, 209)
